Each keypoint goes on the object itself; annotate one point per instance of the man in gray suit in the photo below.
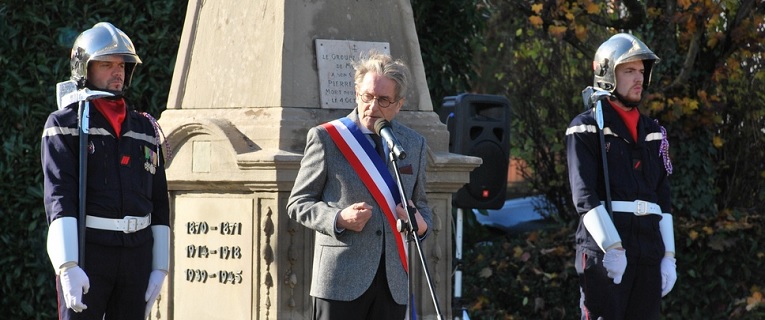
(347, 192)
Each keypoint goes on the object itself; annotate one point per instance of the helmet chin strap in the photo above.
(628, 104)
(117, 93)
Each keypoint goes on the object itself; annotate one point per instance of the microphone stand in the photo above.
(411, 228)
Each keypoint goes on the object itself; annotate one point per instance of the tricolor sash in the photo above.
(372, 170)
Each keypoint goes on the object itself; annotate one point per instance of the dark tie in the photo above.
(378, 145)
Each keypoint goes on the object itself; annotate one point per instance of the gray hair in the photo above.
(384, 65)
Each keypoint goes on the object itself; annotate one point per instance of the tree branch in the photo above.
(744, 12)
(690, 59)
(636, 16)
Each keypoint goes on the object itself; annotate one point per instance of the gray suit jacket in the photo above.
(344, 264)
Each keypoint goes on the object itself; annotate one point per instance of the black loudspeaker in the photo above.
(479, 126)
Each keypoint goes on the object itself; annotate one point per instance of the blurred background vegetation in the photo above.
(707, 91)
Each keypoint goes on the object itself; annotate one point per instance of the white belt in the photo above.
(638, 207)
(128, 224)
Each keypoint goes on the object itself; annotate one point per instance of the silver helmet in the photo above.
(620, 48)
(94, 44)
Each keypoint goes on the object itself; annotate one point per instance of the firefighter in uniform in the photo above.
(126, 256)
(625, 261)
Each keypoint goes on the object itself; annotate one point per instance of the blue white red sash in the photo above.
(371, 170)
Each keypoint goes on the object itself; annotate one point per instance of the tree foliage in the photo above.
(449, 32)
(706, 90)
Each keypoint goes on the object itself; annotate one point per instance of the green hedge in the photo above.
(35, 40)
(531, 275)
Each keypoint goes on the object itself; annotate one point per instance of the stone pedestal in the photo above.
(245, 91)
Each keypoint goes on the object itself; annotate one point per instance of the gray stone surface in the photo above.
(244, 92)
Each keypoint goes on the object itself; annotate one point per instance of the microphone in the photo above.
(383, 129)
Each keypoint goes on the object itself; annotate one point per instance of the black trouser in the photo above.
(375, 303)
(118, 277)
(638, 296)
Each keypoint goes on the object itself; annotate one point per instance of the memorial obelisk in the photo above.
(250, 79)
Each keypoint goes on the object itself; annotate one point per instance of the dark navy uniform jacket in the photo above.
(126, 175)
(636, 172)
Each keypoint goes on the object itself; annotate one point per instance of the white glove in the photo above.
(668, 274)
(156, 279)
(615, 261)
(74, 284)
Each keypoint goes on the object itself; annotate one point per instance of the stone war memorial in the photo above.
(250, 79)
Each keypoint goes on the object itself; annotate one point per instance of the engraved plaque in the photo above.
(213, 258)
(335, 60)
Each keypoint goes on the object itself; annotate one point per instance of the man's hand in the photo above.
(354, 217)
(403, 214)
(615, 262)
(668, 274)
(156, 279)
(74, 284)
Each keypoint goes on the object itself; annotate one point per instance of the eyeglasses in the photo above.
(383, 102)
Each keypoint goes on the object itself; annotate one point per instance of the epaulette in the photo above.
(157, 131)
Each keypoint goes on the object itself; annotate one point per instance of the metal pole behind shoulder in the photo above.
(65, 95)
(83, 119)
(592, 98)
(599, 119)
